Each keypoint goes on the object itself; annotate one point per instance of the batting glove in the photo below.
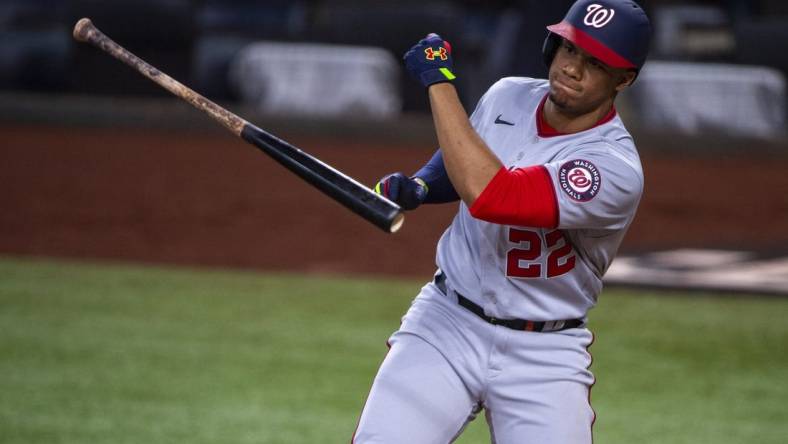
(429, 61)
(406, 192)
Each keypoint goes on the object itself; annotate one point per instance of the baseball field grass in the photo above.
(109, 353)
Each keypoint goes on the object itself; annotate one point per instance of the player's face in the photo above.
(580, 83)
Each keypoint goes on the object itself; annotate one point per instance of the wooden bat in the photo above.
(337, 185)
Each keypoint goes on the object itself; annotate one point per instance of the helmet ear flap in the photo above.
(549, 48)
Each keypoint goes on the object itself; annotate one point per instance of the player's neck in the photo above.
(568, 123)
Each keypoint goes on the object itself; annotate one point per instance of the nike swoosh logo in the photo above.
(498, 121)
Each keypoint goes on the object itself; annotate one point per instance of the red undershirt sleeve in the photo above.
(523, 196)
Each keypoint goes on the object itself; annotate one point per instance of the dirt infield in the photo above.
(209, 199)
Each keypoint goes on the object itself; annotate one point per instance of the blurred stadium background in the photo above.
(100, 166)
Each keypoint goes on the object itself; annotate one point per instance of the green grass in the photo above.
(124, 354)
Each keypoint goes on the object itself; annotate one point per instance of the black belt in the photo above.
(514, 324)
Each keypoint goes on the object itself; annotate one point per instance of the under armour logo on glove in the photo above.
(442, 53)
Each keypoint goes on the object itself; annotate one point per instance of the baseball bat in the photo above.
(358, 198)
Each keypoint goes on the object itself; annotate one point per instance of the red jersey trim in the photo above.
(543, 129)
(522, 197)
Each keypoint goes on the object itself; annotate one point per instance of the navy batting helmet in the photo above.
(617, 32)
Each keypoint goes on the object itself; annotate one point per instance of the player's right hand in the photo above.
(405, 191)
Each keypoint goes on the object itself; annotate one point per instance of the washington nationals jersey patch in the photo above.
(580, 179)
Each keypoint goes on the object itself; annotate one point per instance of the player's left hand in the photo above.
(430, 61)
(407, 192)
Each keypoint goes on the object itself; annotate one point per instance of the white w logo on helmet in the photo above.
(598, 16)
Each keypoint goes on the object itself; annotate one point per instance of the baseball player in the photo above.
(549, 181)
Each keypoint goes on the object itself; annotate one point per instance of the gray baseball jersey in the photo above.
(536, 273)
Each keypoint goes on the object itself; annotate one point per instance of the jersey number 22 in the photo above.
(525, 261)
